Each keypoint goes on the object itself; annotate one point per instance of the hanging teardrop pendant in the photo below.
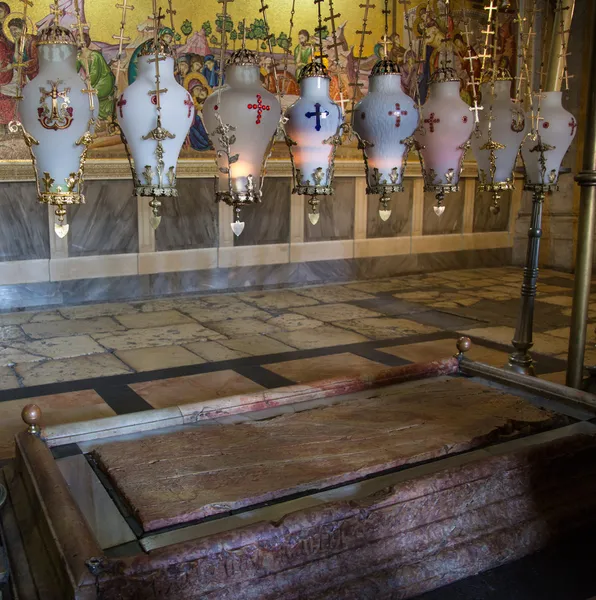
(61, 228)
(314, 215)
(155, 218)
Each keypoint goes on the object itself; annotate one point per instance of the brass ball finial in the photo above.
(31, 415)
(463, 345)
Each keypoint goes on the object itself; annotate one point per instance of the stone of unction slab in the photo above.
(189, 475)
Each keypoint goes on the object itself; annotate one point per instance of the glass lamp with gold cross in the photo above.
(155, 114)
(57, 118)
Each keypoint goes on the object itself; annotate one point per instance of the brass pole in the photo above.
(521, 361)
(558, 47)
(585, 230)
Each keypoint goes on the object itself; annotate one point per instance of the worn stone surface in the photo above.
(412, 537)
(178, 478)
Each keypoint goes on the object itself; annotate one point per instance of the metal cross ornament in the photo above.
(318, 114)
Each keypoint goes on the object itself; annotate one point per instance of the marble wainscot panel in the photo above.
(451, 221)
(24, 231)
(268, 222)
(337, 214)
(106, 223)
(484, 220)
(189, 221)
(400, 221)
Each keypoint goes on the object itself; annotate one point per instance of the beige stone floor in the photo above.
(82, 342)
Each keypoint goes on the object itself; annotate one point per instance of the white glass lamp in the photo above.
(545, 147)
(312, 126)
(155, 126)
(241, 119)
(58, 114)
(498, 137)
(443, 136)
(385, 119)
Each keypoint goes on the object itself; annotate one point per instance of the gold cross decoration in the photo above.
(385, 42)
(56, 11)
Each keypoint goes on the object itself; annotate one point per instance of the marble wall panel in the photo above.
(484, 220)
(189, 221)
(106, 223)
(268, 222)
(400, 221)
(24, 230)
(337, 214)
(451, 221)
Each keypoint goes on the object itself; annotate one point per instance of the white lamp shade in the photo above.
(313, 119)
(137, 116)
(556, 129)
(56, 112)
(254, 114)
(385, 118)
(508, 129)
(448, 124)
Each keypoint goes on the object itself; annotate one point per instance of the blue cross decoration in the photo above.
(318, 114)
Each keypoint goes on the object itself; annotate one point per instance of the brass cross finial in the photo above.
(56, 11)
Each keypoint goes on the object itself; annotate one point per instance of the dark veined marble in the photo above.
(24, 229)
(191, 220)
(105, 289)
(268, 222)
(337, 214)
(106, 223)
(400, 221)
(484, 220)
(451, 221)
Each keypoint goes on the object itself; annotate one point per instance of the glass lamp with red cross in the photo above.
(543, 150)
(443, 136)
(241, 119)
(312, 126)
(385, 120)
(155, 114)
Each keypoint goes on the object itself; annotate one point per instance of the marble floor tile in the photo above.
(563, 332)
(420, 296)
(325, 367)
(461, 275)
(500, 335)
(544, 288)
(154, 319)
(55, 409)
(215, 351)
(157, 336)
(565, 301)
(159, 357)
(60, 347)
(321, 337)
(386, 327)
(89, 311)
(548, 344)
(336, 312)
(558, 377)
(194, 388)
(292, 322)
(277, 300)
(376, 287)
(440, 349)
(237, 327)
(257, 345)
(20, 318)
(9, 356)
(333, 293)
(70, 369)
(477, 282)
(8, 380)
(11, 332)
(209, 313)
(220, 299)
(72, 327)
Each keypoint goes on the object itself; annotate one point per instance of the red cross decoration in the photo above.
(573, 125)
(431, 121)
(259, 107)
(188, 102)
(397, 113)
(120, 104)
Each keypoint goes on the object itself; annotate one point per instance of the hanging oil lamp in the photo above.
(241, 118)
(312, 128)
(57, 118)
(155, 114)
(385, 120)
